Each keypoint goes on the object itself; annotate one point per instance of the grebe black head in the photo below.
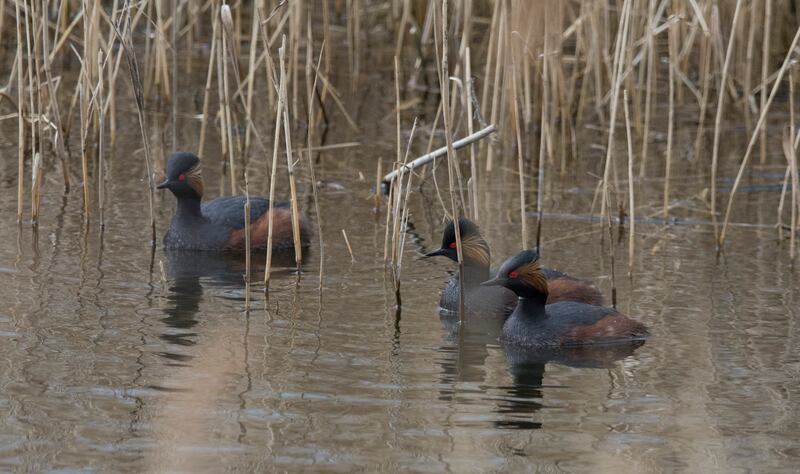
(473, 246)
(183, 176)
(523, 275)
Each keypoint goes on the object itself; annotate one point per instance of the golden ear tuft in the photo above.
(195, 179)
(476, 249)
(531, 273)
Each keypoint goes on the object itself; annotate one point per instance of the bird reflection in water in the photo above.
(465, 348)
(468, 344)
(189, 272)
(521, 400)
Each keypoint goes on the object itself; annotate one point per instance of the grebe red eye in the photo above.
(182, 177)
(452, 245)
(513, 274)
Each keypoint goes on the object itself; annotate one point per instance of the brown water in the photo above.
(107, 368)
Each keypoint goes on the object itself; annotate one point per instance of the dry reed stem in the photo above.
(452, 161)
(338, 101)
(671, 39)
(174, 79)
(312, 87)
(787, 154)
(521, 161)
(631, 207)
(378, 192)
(298, 248)
(251, 75)
(397, 188)
(764, 73)
(400, 223)
(793, 167)
(276, 145)
(58, 139)
(542, 147)
(718, 119)
(34, 97)
(651, 73)
(247, 243)
(749, 104)
(761, 119)
(101, 141)
(84, 118)
(126, 42)
(706, 80)
(207, 91)
(469, 97)
(20, 118)
(498, 62)
(225, 20)
(394, 200)
(618, 67)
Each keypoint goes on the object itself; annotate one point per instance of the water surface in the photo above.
(110, 365)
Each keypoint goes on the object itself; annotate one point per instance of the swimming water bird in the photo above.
(566, 323)
(219, 224)
(497, 300)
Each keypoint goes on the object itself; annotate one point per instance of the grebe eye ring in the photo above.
(452, 245)
(513, 274)
(182, 177)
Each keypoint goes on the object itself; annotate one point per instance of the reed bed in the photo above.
(537, 71)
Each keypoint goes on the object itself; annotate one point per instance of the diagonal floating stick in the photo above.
(438, 153)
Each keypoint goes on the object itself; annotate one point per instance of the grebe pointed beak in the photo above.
(164, 185)
(496, 281)
(435, 253)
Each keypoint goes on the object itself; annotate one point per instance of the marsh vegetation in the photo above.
(647, 145)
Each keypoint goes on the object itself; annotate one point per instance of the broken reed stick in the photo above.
(438, 153)
(349, 248)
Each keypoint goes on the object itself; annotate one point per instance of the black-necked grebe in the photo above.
(219, 224)
(566, 323)
(477, 259)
